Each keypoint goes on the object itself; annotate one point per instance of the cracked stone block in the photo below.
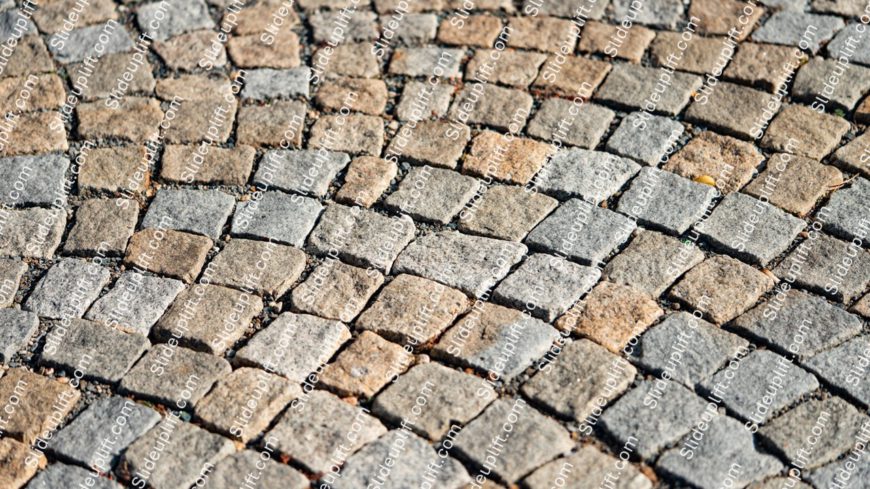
(631, 87)
(162, 21)
(597, 38)
(46, 176)
(372, 95)
(844, 368)
(539, 33)
(721, 288)
(803, 131)
(102, 226)
(221, 166)
(789, 27)
(733, 109)
(799, 323)
(611, 315)
(112, 352)
(534, 438)
(560, 119)
(505, 343)
(119, 420)
(91, 41)
(855, 155)
(764, 65)
(420, 101)
(194, 211)
(413, 310)
(357, 134)
(514, 68)
(845, 214)
(228, 408)
(839, 422)
(813, 79)
(176, 254)
(208, 318)
(580, 381)
(854, 38)
(362, 467)
(646, 140)
(702, 348)
(726, 446)
(591, 175)
(360, 236)
(14, 473)
(764, 384)
(653, 415)
(266, 83)
(491, 105)
(656, 13)
(335, 290)
(366, 366)
(751, 229)
(433, 194)
(106, 73)
(493, 156)
(259, 266)
(276, 216)
(575, 75)
(586, 468)
(268, 125)
(137, 119)
(115, 169)
(426, 61)
(171, 375)
(304, 343)
(652, 262)
(304, 171)
(581, 231)
(730, 162)
(40, 399)
(32, 233)
(59, 475)
(469, 263)
(367, 178)
(68, 288)
(231, 472)
(794, 183)
(665, 201)
(452, 397)
(546, 286)
(435, 143)
(312, 433)
(135, 302)
(18, 329)
(829, 267)
(507, 212)
(188, 451)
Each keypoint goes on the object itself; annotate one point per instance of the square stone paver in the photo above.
(700, 56)
(611, 315)
(652, 262)
(582, 380)
(491, 105)
(764, 384)
(541, 33)
(499, 341)
(272, 125)
(161, 22)
(306, 172)
(67, 289)
(844, 367)
(114, 169)
(658, 13)
(536, 439)
(452, 397)
(43, 178)
(58, 474)
(586, 469)
(371, 95)
(560, 119)
(95, 40)
(433, 194)
(11, 272)
(794, 183)
(719, 16)
(137, 119)
(832, 473)
(571, 75)
(357, 134)
(32, 232)
(135, 302)
(631, 86)
(231, 472)
(788, 27)
(653, 415)
(721, 288)
(846, 211)
(506, 212)
(764, 65)
(220, 166)
(435, 143)
(171, 375)
(828, 266)
(854, 38)
(644, 139)
(311, 435)
(259, 266)
(111, 352)
(102, 226)
(293, 345)
(495, 156)
(799, 323)
(167, 252)
(591, 175)
(367, 178)
(800, 130)
(412, 310)
(39, 400)
(482, 31)
(733, 109)
(195, 211)
(19, 328)
(469, 263)
(366, 366)
(665, 201)
(545, 286)
(425, 61)
(242, 404)
(581, 231)
(335, 290)
(729, 162)
(812, 81)
(597, 38)
(420, 101)
(514, 68)
(267, 83)
(855, 155)
(276, 216)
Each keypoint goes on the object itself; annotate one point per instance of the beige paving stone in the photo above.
(277, 124)
(249, 51)
(701, 55)
(30, 56)
(14, 472)
(598, 38)
(862, 112)
(477, 30)
(366, 180)
(506, 212)
(108, 71)
(167, 252)
(515, 68)
(514, 161)
(115, 168)
(31, 92)
(802, 131)
(191, 50)
(719, 16)
(136, 119)
(260, 266)
(730, 162)
(102, 226)
(35, 133)
(352, 59)
(40, 400)
(764, 65)
(252, 18)
(371, 95)
(219, 166)
(855, 156)
(335, 290)
(610, 315)
(435, 143)
(53, 15)
(576, 76)
(794, 183)
(585, 469)
(202, 120)
(366, 366)
(540, 33)
(355, 134)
